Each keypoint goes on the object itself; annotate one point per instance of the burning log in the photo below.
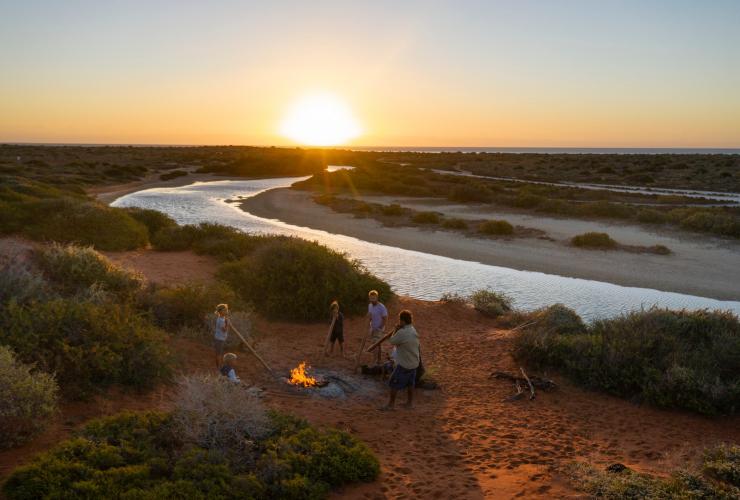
(300, 377)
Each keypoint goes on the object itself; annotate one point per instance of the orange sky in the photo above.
(593, 74)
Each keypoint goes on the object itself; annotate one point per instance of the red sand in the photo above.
(461, 441)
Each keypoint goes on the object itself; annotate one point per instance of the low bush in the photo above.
(454, 224)
(72, 269)
(22, 284)
(294, 279)
(223, 242)
(393, 210)
(145, 456)
(630, 484)
(496, 227)
(426, 218)
(212, 412)
(188, 305)
(27, 399)
(173, 175)
(491, 303)
(154, 220)
(678, 359)
(83, 223)
(660, 250)
(471, 193)
(88, 346)
(593, 240)
(723, 463)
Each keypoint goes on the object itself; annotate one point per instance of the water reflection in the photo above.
(416, 274)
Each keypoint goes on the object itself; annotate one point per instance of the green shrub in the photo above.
(667, 358)
(84, 223)
(173, 175)
(660, 250)
(650, 216)
(294, 279)
(471, 193)
(593, 240)
(154, 220)
(491, 303)
(723, 463)
(22, 284)
(27, 399)
(559, 320)
(426, 218)
(496, 227)
(87, 345)
(222, 242)
(393, 210)
(73, 269)
(143, 456)
(188, 305)
(454, 224)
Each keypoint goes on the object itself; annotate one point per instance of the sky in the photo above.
(458, 73)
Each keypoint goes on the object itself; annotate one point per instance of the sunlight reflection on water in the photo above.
(411, 273)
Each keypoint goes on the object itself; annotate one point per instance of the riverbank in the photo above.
(109, 193)
(698, 266)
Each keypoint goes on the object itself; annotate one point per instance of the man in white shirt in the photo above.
(377, 316)
(406, 341)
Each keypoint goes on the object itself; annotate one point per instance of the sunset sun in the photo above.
(320, 120)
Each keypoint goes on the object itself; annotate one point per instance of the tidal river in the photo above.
(411, 273)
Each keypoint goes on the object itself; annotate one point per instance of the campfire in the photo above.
(299, 376)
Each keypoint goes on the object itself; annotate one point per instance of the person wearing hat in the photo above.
(227, 369)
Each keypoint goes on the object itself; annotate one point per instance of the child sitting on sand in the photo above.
(227, 370)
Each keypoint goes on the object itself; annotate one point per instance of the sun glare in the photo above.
(320, 120)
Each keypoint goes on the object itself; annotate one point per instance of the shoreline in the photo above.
(695, 269)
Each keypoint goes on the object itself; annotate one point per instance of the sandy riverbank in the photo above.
(110, 193)
(698, 266)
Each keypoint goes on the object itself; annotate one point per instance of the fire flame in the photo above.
(298, 376)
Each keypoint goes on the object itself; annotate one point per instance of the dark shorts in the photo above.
(218, 346)
(336, 335)
(402, 378)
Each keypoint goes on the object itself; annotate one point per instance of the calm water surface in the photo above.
(416, 274)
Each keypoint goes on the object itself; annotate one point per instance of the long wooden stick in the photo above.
(362, 348)
(382, 339)
(251, 349)
(328, 336)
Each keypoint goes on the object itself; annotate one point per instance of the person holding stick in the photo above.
(337, 328)
(221, 332)
(406, 341)
(377, 316)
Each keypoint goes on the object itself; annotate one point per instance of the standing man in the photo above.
(406, 341)
(377, 315)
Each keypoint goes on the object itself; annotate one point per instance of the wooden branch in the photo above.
(362, 348)
(328, 336)
(251, 349)
(529, 382)
(537, 382)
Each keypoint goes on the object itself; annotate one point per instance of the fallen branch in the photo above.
(537, 382)
(518, 395)
(529, 383)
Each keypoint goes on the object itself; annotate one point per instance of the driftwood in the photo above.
(519, 380)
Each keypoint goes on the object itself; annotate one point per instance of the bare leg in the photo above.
(341, 348)
(392, 401)
(410, 401)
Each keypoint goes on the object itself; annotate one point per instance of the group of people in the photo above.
(405, 356)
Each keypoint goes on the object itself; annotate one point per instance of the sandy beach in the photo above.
(699, 265)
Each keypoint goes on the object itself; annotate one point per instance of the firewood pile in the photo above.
(522, 382)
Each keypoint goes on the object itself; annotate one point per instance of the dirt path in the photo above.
(461, 441)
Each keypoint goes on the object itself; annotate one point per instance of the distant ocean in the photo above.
(624, 151)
